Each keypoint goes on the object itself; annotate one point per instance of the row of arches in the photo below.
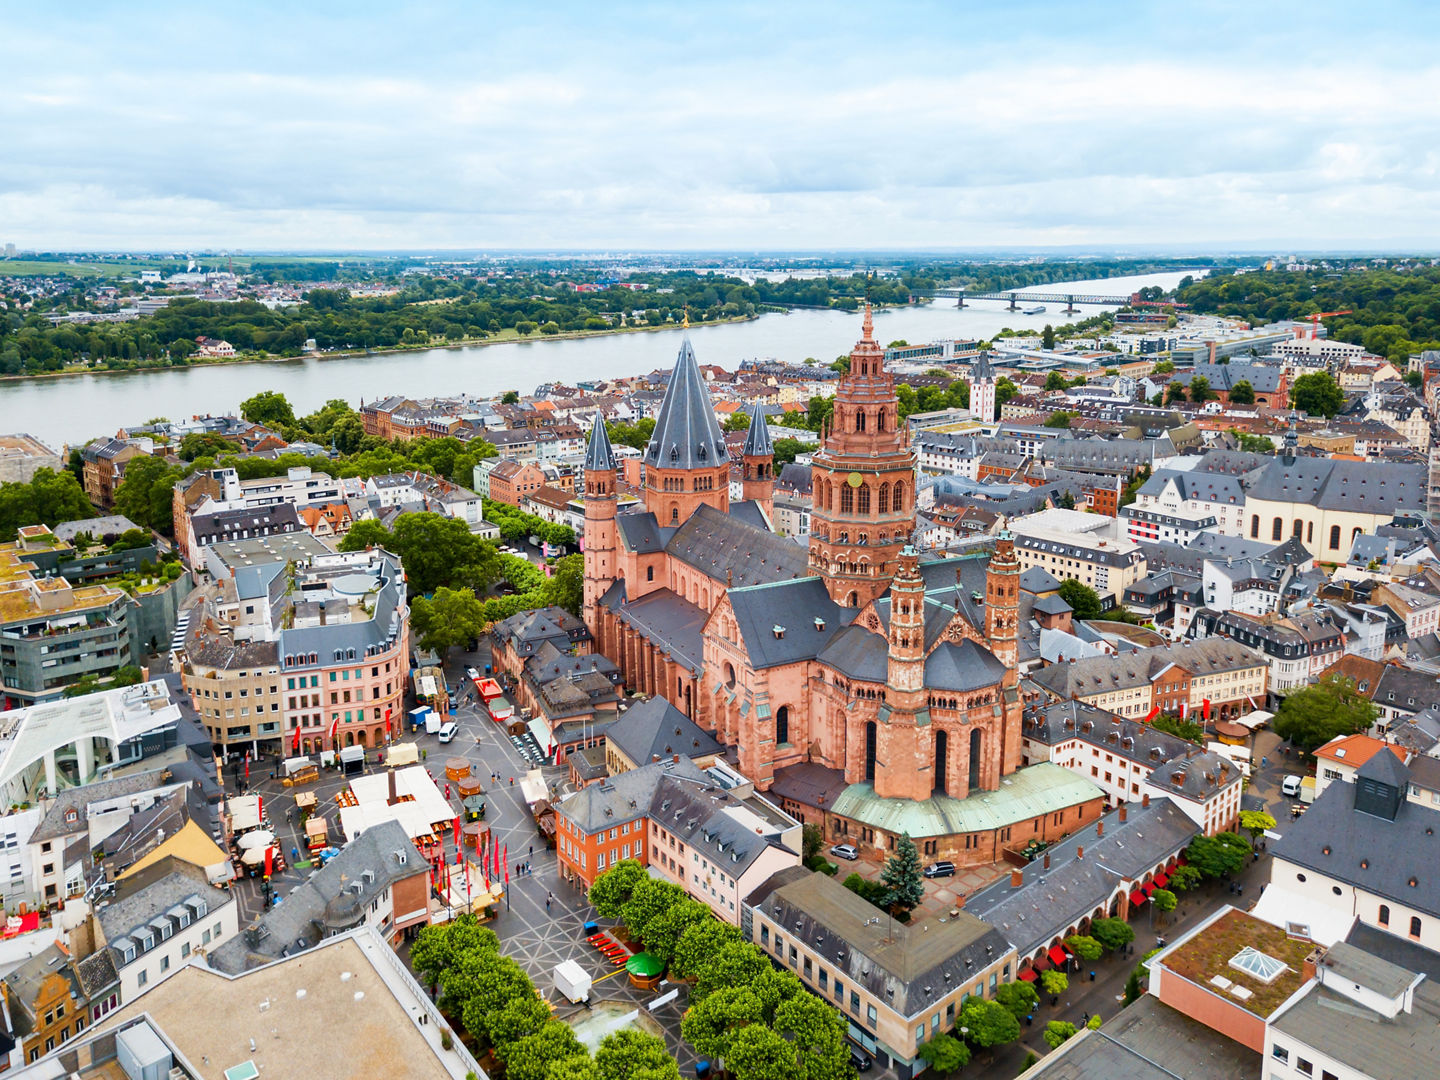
(888, 498)
(1301, 530)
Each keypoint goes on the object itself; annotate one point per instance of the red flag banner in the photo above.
(269, 860)
(1152, 714)
(295, 742)
(1207, 708)
(456, 824)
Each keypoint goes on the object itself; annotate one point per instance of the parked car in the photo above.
(943, 868)
(1290, 785)
(447, 731)
(845, 851)
(860, 1060)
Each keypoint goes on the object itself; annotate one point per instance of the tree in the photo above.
(1200, 391)
(945, 1053)
(817, 1032)
(576, 1067)
(201, 443)
(1083, 600)
(1094, 1022)
(1164, 901)
(1256, 822)
(1004, 391)
(1055, 381)
(902, 877)
(710, 1024)
(1184, 729)
(1047, 341)
(1218, 855)
(988, 1023)
(1174, 392)
(510, 397)
(566, 586)
(268, 408)
(650, 899)
(145, 494)
(1112, 933)
(438, 947)
(1164, 367)
(530, 1057)
(1084, 947)
(1242, 393)
(1030, 1060)
(1054, 982)
(1315, 714)
(1184, 878)
(627, 1054)
(812, 839)
(1252, 444)
(739, 420)
(698, 944)
(1133, 987)
(436, 547)
(1059, 419)
(663, 932)
(612, 889)
(736, 963)
(757, 1053)
(1019, 997)
(452, 617)
(1057, 1031)
(47, 499)
(1317, 394)
(366, 534)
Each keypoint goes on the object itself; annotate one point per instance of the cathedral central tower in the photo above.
(863, 482)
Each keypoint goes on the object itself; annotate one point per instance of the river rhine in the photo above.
(76, 408)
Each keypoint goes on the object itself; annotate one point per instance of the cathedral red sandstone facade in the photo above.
(895, 676)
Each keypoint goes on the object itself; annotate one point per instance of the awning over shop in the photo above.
(1057, 955)
(1137, 897)
(542, 735)
(1028, 975)
(1161, 880)
(1149, 890)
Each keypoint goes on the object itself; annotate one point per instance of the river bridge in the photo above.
(1016, 298)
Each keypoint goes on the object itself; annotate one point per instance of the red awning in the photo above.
(1137, 897)
(1148, 890)
(1182, 861)
(1057, 955)
(1161, 880)
(1028, 975)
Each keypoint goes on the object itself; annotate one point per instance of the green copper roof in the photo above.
(1027, 793)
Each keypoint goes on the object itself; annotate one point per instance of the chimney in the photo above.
(1017, 878)
(394, 794)
(1047, 861)
(1307, 966)
(1145, 801)
(1080, 851)
(1099, 829)
(1122, 813)
(675, 759)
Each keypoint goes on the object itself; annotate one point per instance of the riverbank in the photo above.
(507, 336)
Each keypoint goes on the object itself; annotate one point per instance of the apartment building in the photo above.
(896, 985)
(1107, 565)
(302, 658)
(1216, 675)
(1197, 501)
(103, 467)
(707, 830)
(1299, 647)
(22, 456)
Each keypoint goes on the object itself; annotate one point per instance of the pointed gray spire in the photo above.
(980, 369)
(757, 436)
(599, 457)
(687, 435)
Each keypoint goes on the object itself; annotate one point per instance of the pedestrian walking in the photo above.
(532, 849)
(547, 903)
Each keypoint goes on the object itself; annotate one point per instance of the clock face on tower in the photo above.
(854, 479)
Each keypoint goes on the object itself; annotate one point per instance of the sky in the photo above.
(739, 126)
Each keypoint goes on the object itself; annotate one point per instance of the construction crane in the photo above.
(1315, 322)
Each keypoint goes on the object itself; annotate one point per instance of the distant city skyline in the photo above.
(743, 127)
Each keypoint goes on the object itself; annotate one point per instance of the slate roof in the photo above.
(857, 653)
(1101, 674)
(1038, 580)
(687, 435)
(599, 457)
(1404, 1047)
(655, 727)
(1397, 851)
(735, 552)
(910, 967)
(156, 891)
(1132, 739)
(625, 797)
(53, 825)
(1263, 378)
(1361, 487)
(671, 622)
(1048, 901)
(798, 478)
(1197, 486)
(757, 436)
(303, 914)
(641, 533)
(244, 522)
(1200, 775)
(807, 783)
(795, 605)
(1150, 1041)
(962, 667)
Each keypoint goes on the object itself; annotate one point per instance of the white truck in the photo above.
(573, 981)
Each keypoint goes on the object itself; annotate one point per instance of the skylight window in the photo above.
(1257, 965)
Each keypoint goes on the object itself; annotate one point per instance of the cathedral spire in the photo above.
(686, 461)
(757, 436)
(599, 456)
